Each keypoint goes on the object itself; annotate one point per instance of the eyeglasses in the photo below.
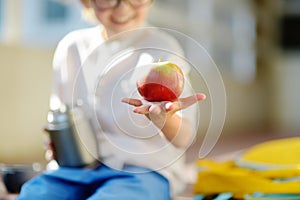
(107, 4)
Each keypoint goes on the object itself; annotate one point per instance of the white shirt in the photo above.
(100, 73)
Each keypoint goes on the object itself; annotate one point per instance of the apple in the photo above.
(163, 82)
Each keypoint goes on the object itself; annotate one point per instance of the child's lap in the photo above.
(100, 183)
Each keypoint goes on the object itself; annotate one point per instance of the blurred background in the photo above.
(255, 44)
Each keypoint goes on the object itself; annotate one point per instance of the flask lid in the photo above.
(57, 119)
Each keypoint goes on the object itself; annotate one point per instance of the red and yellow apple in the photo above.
(163, 82)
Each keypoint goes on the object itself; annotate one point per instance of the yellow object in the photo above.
(281, 153)
(219, 177)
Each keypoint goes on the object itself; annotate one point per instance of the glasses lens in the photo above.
(103, 4)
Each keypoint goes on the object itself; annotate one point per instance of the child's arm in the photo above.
(163, 114)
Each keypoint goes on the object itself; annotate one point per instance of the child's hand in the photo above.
(145, 107)
(162, 114)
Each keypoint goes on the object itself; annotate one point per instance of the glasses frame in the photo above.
(149, 2)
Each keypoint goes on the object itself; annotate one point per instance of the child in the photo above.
(141, 149)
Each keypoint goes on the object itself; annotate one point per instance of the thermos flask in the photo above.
(72, 138)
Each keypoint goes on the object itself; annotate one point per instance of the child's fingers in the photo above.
(132, 101)
(188, 101)
(144, 109)
(183, 103)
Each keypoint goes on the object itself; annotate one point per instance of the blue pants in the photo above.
(101, 183)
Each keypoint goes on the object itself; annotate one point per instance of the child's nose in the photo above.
(123, 4)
